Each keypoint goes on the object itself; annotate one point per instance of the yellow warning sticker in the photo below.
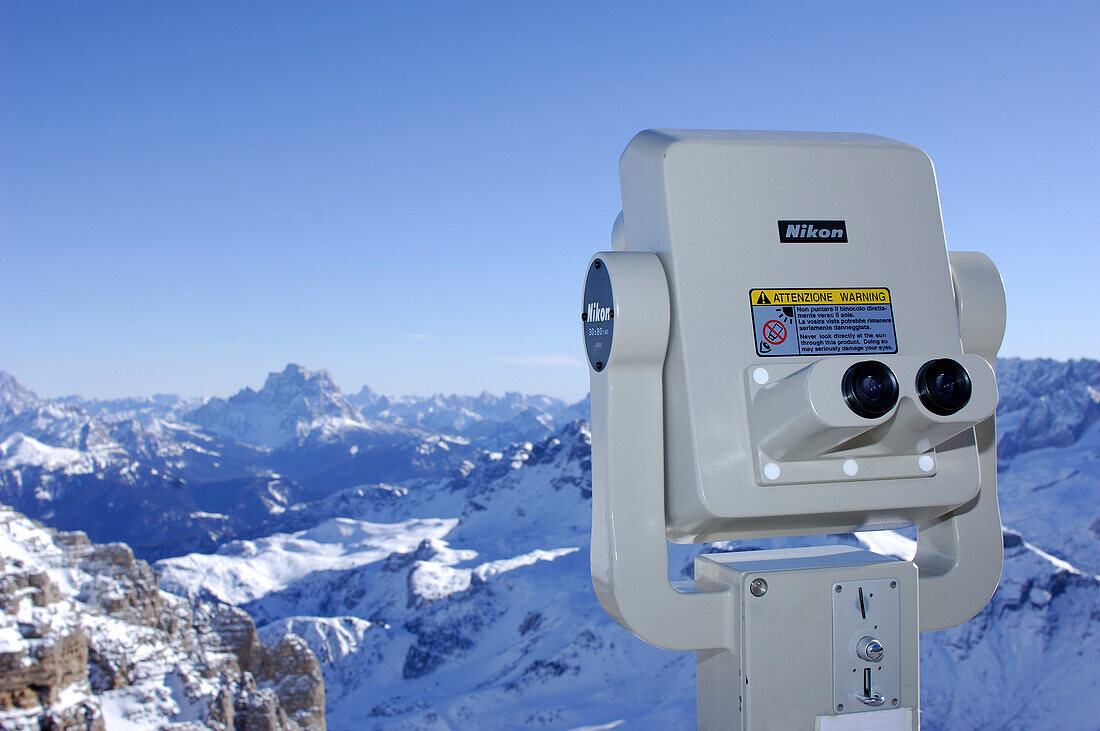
(841, 296)
(833, 321)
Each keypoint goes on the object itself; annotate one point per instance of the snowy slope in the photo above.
(492, 623)
(1049, 456)
(242, 571)
(1029, 660)
(533, 648)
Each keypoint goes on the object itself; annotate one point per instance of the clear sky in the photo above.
(406, 194)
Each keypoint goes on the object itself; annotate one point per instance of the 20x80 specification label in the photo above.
(834, 321)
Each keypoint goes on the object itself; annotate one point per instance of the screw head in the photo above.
(838, 588)
(840, 706)
(893, 585)
(893, 701)
(758, 587)
(599, 365)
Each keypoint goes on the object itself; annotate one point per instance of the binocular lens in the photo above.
(943, 386)
(870, 389)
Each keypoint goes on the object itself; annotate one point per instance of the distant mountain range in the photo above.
(433, 552)
(169, 475)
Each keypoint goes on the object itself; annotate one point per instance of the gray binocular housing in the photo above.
(780, 344)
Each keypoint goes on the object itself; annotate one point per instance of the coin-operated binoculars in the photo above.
(780, 344)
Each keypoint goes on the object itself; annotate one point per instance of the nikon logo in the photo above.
(595, 313)
(796, 232)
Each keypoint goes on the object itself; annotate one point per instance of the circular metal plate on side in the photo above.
(598, 316)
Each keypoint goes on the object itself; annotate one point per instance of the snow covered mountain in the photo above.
(486, 619)
(440, 574)
(15, 398)
(88, 641)
(292, 405)
(168, 478)
(439, 636)
(498, 419)
(1048, 453)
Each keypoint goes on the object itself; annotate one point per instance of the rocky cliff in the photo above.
(88, 641)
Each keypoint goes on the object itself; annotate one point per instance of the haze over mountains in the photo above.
(433, 551)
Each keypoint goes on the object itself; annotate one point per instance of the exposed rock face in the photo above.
(87, 637)
(287, 671)
(293, 672)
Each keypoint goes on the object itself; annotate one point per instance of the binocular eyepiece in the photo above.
(871, 389)
(802, 415)
(943, 386)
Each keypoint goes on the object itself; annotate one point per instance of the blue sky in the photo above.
(406, 194)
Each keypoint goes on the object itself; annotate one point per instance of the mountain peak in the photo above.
(291, 404)
(14, 394)
(293, 382)
(295, 372)
(11, 388)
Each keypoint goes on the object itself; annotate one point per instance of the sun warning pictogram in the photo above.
(775, 332)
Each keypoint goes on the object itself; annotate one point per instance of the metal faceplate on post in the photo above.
(867, 648)
(799, 643)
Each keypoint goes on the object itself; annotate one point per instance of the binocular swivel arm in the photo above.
(629, 545)
(958, 570)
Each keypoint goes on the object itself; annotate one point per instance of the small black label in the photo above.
(803, 232)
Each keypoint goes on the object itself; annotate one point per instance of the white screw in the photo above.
(760, 375)
(926, 463)
(771, 471)
(850, 467)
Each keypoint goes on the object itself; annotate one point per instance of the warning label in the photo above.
(840, 321)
